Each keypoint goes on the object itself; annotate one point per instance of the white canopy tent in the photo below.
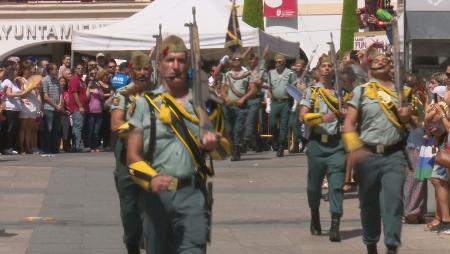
(136, 32)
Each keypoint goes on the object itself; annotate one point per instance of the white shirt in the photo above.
(13, 104)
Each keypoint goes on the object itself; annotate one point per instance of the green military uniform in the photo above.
(234, 115)
(128, 191)
(381, 175)
(280, 105)
(254, 104)
(174, 222)
(326, 154)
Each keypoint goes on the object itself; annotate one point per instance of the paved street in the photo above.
(260, 208)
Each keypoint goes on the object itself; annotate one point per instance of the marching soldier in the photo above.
(295, 125)
(237, 91)
(279, 79)
(166, 160)
(377, 151)
(325, 150)
(259, 77)
(123, 104)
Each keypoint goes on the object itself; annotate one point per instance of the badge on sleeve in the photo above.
(116, 101)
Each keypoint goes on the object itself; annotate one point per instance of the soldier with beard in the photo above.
(377, 151)
(122, 108)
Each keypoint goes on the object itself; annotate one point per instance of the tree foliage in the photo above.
(253, 13)
(349, 25)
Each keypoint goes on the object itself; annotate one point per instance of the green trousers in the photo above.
(175, 222)
(235, 122)
(129, 192)
(279, 117)
(381, 179)
(326, 159)
(251, 120)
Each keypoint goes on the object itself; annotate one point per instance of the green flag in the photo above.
(253, 13)
(349, 25)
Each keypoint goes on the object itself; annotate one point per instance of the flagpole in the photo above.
(233, 9)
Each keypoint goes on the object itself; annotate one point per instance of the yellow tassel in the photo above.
(312, 119)
(371, 92)
(164, 114)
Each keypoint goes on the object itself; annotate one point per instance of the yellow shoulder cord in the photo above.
(329, 100)
(388, 108)
(315, 104)
(185, 136)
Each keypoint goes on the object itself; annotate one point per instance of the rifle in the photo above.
(292, 89)
(335, 61)
(398, 64)
(157, 52)
(201, 95)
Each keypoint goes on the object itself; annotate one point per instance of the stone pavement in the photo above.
(260, 207)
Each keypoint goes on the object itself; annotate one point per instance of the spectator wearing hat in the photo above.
(101, 60)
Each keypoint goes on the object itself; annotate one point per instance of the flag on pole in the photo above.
(233, 39)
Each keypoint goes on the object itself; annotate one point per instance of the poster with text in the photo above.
(280, 8)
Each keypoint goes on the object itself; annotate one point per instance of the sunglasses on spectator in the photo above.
(279, 61)
(93, 65)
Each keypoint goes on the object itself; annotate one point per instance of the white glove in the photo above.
(268, 105)
(224, 59)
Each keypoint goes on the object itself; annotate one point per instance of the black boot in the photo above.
(133, 249)
(315, 227)
(372, 248)
(244, 147)
(335, 236)
(280, 151)
(236, 153)
(391, 249)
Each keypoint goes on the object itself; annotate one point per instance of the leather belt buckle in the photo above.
(173, 184)
(380, 149)
(324, 138)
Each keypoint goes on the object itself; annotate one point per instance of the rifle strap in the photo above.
(180, 129)
(384, 97)
(152, 145)
(232, 88)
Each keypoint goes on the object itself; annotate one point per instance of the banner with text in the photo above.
(280, 8)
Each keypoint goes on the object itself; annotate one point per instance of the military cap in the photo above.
(300, 61)
(324, 58)
(237, 54)
(279, 56)
(172, 44)
(139, 60)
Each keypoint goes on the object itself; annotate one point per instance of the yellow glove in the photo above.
(142, 174)
(123, 129)
(352, 141)
(313, 119)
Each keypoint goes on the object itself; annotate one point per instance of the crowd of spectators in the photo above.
(64, 109)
